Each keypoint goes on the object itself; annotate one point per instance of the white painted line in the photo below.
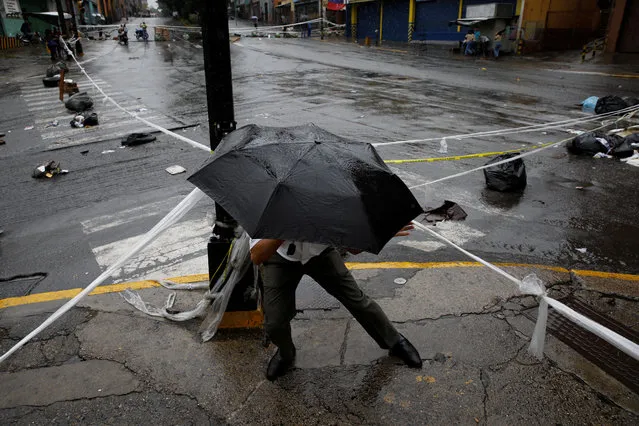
(101, 223)
(185, 239)
(126, 104)
(457, 232)
(106, 115)
(70, 131)
(52, 100)
(99, 136)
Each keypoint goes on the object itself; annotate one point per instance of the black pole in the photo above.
(217, 69)
(321, 13)
(63, 26)
(74, 26)
(219, 95)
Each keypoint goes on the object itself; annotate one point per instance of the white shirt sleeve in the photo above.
(254, 241)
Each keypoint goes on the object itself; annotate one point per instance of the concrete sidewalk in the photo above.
(105, 362)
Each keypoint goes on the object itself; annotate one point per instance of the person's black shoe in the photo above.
(407, 352)
(278, 366)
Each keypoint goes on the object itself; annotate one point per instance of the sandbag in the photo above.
(79, 102)
(588, 144)
(138, 139)
(507, 177)
(610, 104)
(51, 81)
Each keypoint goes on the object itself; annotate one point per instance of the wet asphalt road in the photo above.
(368, 94)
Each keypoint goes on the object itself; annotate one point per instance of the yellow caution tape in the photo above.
(465, 157)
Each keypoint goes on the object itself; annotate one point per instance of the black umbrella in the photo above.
(306, 184)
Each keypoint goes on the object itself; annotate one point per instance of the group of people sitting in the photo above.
(476, 43)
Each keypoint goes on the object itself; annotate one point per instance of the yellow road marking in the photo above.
(253, 317)
(465, 157)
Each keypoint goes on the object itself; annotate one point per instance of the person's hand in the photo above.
(405, 231)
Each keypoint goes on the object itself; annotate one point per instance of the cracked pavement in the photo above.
(106, 363)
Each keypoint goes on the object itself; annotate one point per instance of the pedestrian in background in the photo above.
(469, 43)
(497, 46)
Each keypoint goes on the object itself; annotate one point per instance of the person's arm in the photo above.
(263, 250)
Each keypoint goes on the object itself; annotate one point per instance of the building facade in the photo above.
(543, 24)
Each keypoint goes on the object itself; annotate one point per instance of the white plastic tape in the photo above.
(174, 215)
(517, 130)
(533, 286)
(132, 114)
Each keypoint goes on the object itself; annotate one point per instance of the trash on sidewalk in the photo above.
(400, 281)
(602, 155)
(79, 102)
(582, 250)
(70, 87)
(443, 146)
(613, 103)
(108, 151)
(55, 69)
(48, 170)
(174, 170)
(447, 211)
(506, 177)
(86, 120)
(141, 110)
(589, 104)
(54, 123)
(51, 81)
(588, 144)
(138, 139)
(29, 128)
(614, 145)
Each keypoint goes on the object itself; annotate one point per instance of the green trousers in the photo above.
(281, 278)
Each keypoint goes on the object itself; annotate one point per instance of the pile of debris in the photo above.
(607, 104)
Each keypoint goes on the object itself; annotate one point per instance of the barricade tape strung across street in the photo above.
(233, 30)
(533, 286)
(132, 114)
(174, 215)
(516, 130)
(465, 157)
(516, 157)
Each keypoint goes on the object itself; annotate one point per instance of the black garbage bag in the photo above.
(91, 119)
(79, 102)
(631, 100)
(138, 139)
(588, 144)
(51, 81)
(610, 104)
(625, 148)
(447, 211)
(507, 177)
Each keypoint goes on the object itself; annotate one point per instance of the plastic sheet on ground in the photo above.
(214, 301)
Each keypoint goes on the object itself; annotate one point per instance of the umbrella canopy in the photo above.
(306, 184)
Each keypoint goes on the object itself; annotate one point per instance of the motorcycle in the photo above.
(141, 33)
